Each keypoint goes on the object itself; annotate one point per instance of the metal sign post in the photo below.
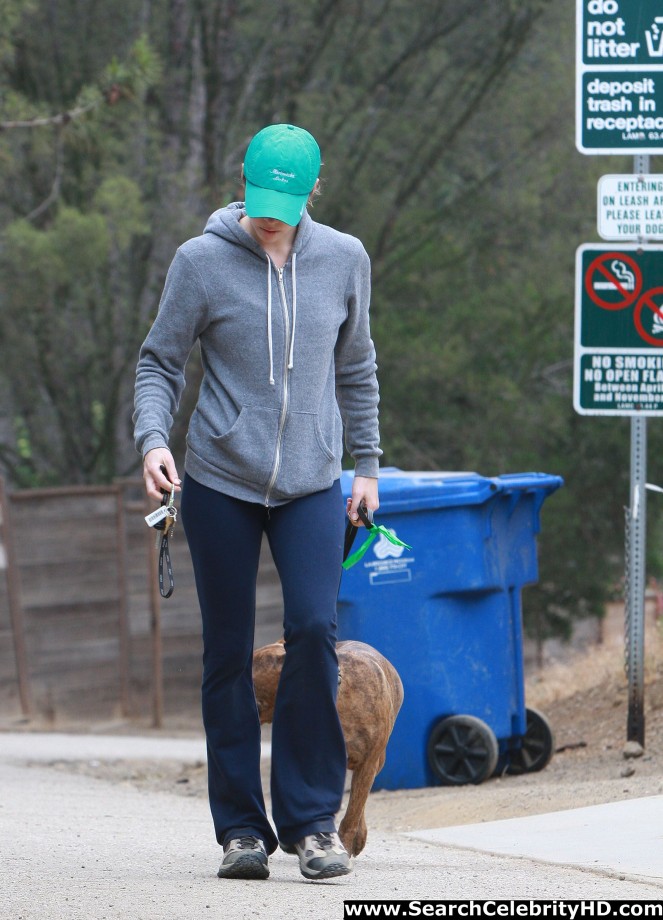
(636, 526)
(636, 550)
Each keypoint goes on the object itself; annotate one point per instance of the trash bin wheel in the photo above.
(537, 748)
(462, 750)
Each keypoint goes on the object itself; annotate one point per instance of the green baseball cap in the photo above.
(281, 167)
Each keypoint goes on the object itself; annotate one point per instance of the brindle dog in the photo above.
(370, 695)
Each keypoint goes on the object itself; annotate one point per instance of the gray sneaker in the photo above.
(322, 856)
(244, 857)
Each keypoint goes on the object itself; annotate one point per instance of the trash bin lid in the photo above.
(404, 490)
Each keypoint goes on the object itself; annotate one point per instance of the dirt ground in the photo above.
(584, 698)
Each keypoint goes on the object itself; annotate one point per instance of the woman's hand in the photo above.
(364, 489)
(155, 481)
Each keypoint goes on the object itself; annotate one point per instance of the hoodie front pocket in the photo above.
(308, 462)
(247, 450)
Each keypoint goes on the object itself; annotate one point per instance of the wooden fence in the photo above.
(84, 632)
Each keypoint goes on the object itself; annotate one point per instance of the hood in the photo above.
(225, 224)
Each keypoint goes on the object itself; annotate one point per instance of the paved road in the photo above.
(74, 847)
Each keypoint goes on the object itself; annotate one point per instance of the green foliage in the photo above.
(133, 76)
(76, 153)
(69, 329)
(11, 14)
(119, 203)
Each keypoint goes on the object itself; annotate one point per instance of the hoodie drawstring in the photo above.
(291, 357)
(270, 341)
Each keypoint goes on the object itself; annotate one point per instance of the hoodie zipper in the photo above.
(286, 395)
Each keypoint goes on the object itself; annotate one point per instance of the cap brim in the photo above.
(266, 202)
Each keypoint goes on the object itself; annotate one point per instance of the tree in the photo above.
(69, 327)
(73, 257)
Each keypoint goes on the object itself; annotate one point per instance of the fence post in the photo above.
(123, 606)
(15, 608)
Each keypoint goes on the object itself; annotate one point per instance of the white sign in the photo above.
(630, 207)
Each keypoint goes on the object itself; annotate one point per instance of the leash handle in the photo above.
(374, 530)
(366, 517)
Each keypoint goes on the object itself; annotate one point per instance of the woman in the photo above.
(279, 306)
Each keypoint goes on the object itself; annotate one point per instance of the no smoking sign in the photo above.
(618, 368)
(613, 280)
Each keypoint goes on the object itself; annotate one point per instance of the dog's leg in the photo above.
(352, 830)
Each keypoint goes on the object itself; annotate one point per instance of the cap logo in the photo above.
(280, 176)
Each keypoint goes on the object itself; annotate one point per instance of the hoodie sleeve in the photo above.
(160, 377)
(356, 382)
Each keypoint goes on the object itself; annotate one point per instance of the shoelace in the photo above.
(324, 840)
(248, 843)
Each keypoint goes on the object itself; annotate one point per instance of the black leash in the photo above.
(164, 555)
(351, 529)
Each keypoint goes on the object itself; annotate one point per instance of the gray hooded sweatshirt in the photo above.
(288, 361)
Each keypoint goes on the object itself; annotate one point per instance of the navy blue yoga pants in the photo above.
(308, 749)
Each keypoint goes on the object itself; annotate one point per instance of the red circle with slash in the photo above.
(599, 265)
(647, 300)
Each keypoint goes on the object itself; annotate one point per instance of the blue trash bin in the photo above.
(447, 614)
